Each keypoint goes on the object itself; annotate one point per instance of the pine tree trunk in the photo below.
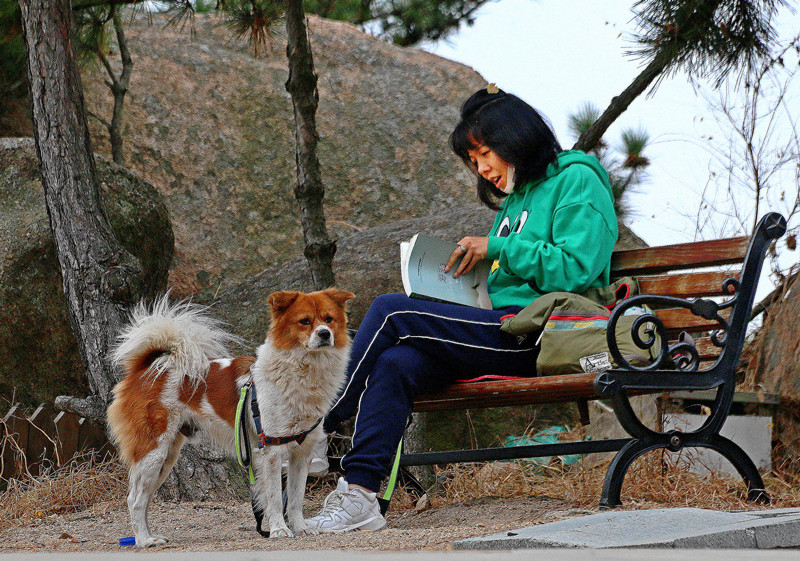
(119, 89)
(309, 192)
(100, 278)
(620, 103)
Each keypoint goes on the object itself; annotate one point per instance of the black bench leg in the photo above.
(743, 464)
(612, 486)
(615, 476)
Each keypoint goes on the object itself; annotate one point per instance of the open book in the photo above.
(422, 262)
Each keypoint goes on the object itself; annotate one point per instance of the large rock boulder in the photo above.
(38, 354)
(773, 356)
(212, 126)
(367, 263)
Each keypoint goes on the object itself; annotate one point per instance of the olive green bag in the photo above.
(572, 329)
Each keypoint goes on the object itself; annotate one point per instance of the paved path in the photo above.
(691, 528)
(514, 555)
(681, 533)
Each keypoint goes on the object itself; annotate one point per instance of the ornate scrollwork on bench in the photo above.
(648, 329)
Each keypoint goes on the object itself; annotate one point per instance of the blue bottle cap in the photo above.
(127, 541)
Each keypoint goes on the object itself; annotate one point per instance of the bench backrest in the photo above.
(687, 270)
(728, 268)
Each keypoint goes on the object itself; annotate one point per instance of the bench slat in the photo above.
(687, 285)
(679, 319)
(528, 391)
(706, 349)
(661, 259)
(543, 389)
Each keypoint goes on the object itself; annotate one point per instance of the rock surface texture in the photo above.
(212, 126)
(38, 353)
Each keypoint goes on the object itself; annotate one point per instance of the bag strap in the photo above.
(609, 296)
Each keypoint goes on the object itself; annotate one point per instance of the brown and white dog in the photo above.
(179, 384)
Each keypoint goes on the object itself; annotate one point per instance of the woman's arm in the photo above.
(580, 251)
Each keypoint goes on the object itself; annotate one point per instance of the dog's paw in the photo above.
(151, 541)
(280, 533)
(300, 528)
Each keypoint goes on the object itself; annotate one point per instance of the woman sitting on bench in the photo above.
(554, 230)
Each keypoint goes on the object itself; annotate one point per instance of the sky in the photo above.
(557, 55)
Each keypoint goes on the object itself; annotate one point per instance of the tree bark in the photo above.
(309, 192)
(620, 103)
(119, 87)
(100, 278)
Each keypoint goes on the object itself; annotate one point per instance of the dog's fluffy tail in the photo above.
(180, 337)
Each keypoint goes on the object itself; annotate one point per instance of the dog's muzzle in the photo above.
(322, 337)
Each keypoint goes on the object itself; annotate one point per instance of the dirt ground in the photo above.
(85, 510)
(229, 525)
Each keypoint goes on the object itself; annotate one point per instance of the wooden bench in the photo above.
(678, 282)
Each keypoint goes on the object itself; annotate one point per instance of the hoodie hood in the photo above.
(576, 157)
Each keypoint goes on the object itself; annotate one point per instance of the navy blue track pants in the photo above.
(404, 347)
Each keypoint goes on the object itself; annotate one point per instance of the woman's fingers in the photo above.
(467, 263)
(457, 254)
(470, 250)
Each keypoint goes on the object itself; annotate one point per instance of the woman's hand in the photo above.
(472, 249)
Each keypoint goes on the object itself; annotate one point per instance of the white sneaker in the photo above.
(319, 459)
(348, 509)
(318, 466)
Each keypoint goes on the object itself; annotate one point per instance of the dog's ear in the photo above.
(279, 301)
(339, 296)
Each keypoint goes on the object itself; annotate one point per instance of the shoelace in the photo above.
(332, 502)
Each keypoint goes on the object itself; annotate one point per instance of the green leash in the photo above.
(387, 494)
(244, 460)
(240, 432)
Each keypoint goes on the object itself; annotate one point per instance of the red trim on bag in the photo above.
(576, 318)
(617, 296)
(505, 317)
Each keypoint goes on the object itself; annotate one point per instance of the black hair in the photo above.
(513, 130)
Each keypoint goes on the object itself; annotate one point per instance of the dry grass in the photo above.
(657, 480)
(85, 480)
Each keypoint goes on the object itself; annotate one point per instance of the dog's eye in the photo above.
(305, 321)
(328, 319)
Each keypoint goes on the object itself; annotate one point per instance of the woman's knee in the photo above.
(403, 368)
(387, 303)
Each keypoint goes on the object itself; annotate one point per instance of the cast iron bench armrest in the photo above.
(676, 366)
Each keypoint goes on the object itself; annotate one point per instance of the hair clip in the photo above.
(492, 88)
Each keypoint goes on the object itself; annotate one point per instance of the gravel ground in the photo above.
(228, 525)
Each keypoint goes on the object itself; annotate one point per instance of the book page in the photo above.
(426, 278)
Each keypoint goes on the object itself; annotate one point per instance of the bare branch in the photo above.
(92, 407)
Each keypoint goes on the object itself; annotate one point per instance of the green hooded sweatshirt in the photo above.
(554, 234)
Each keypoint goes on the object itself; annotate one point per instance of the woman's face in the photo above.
(490, 166)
